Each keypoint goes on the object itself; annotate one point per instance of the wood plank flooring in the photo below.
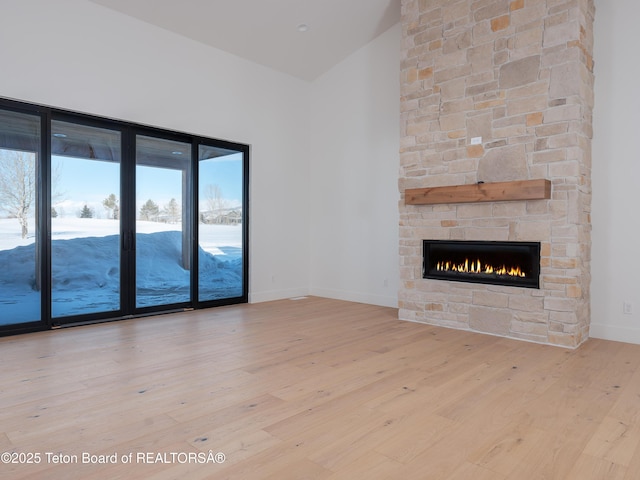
(313, 389)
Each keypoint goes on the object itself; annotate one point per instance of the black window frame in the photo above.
(129, 131)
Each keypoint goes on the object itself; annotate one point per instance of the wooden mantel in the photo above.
(539, 189)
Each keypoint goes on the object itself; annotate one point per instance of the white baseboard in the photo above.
(270, 295)
(360, 297)
(617, 334)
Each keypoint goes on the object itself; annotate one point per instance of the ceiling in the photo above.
(266, 31)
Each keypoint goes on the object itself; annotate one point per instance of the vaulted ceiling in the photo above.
(268, 32)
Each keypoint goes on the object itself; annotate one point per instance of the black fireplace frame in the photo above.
(431, 249)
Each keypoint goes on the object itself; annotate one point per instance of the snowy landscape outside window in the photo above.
(102, 219)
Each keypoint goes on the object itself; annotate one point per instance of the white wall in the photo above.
(324, 155)
(354, 162)
(76, 55)
(616, 156)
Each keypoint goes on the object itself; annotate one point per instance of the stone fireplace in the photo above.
(498, 92)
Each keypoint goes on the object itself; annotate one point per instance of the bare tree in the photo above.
(215, 201)
(57, 195)
(18, 185)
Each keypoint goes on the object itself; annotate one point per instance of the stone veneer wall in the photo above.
(519, 74)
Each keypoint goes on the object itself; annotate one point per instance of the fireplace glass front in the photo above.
(498, 263)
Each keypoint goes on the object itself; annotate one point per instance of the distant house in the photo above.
(234, 217)
(230, 217)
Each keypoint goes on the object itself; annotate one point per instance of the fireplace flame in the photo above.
(476, 266)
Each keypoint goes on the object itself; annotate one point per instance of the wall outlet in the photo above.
(627, 308)
(476, 140)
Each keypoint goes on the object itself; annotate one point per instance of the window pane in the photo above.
(85, 223)
(163, 252)
(220, 272)
(19, 266)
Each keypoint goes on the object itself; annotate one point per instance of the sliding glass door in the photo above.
(221, 226)
(163, 232)
(102, 220)
(85, 219)
(20, 232)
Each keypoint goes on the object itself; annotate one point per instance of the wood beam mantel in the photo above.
(539, 189)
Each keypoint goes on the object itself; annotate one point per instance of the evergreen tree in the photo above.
(86, 212)
(111, 204)
(172, 211)
(150, 211)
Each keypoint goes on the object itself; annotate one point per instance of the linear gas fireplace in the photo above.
(497, 263)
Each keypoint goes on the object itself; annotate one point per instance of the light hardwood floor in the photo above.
(316, 389)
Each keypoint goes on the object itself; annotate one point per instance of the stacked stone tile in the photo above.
(518, 74)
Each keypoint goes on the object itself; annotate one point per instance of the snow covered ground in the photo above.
(86, 267)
